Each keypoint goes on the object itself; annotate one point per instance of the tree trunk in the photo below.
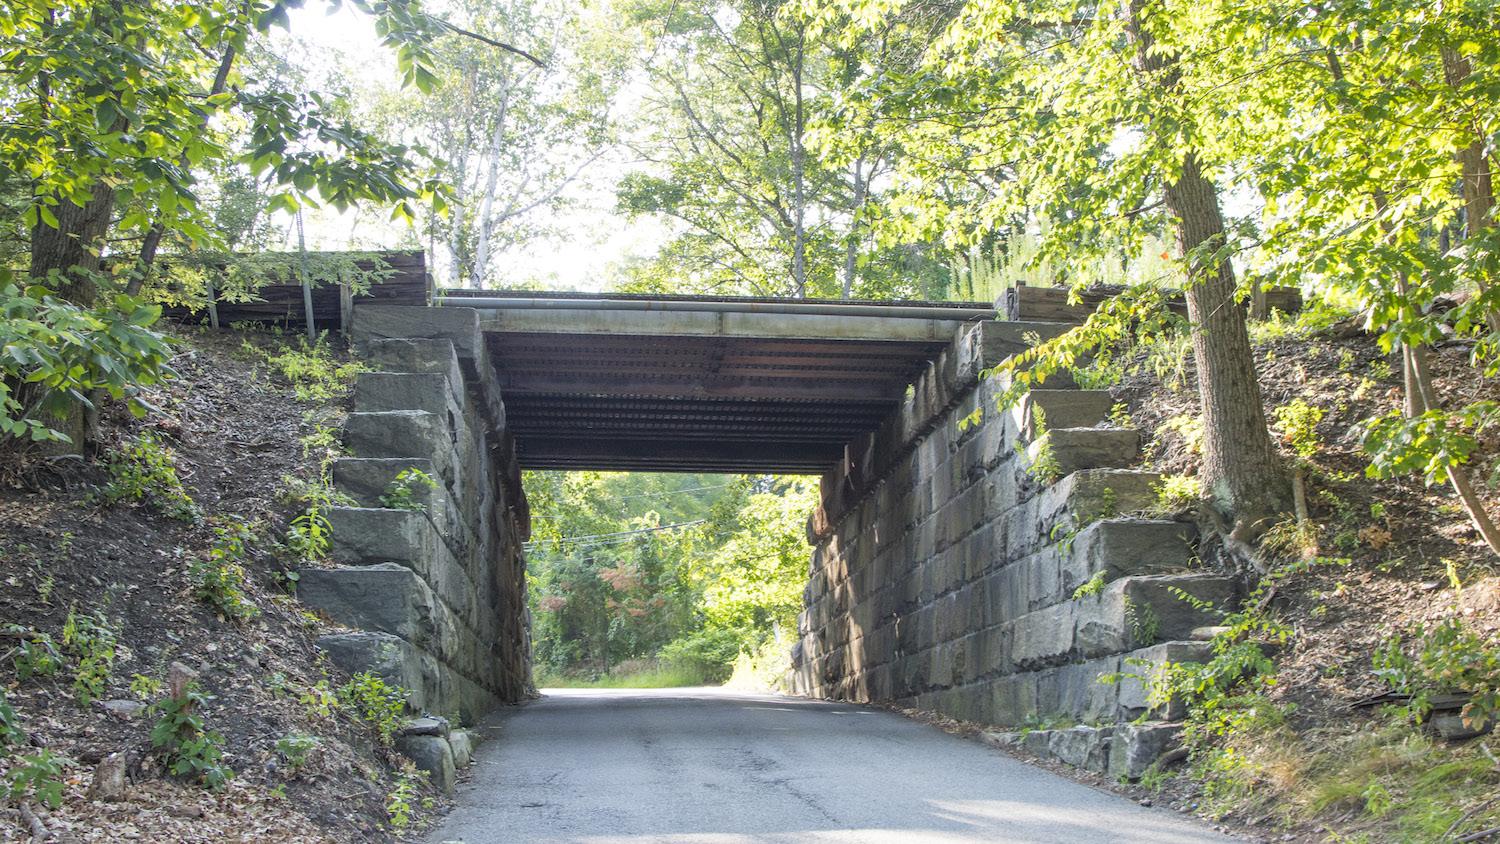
(1242, 474)
(1478, 186)
(851, 245)
(74, 247)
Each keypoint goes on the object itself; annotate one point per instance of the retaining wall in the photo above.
(994, 566)
(435, 594)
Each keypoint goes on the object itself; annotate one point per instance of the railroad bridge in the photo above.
(988, 563)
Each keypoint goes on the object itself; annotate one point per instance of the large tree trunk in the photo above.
(1241, 470)
(75, 246)
(1242, 473)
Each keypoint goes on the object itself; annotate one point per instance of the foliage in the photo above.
(238, 277)
(64, 354)
(1042, 463)
(314, 371)
(144, 687)
(1446, 657)
(381, 705)
(218, 578)
(91, 642)
(708, 655)
(398, 804)
(40, 775)
(11, 733)
(35, 655)
(406, 490)
(309, 536)
(187, 748)
(1429, 444)
(1175, 493)
(296, 748)
(146, 470)
(1093, 586)
(1298, 423)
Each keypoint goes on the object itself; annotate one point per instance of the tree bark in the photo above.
(74, 247)
(1242, 474)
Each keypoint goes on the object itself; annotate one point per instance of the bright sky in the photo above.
(596, 240)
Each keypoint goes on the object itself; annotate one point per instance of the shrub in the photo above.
(186, 747)
(10, 726)
(65, 352)
(146, 471)
(1447, 657)
(35, 656)
(378, 703)
(218, 579)
(296, 748)
(708, 653)
(91, 642)
(312, 370)
(39, 775)
(1298, 423)
(398, 804)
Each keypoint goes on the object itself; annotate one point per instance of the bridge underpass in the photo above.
(947, 567)
(703, 384)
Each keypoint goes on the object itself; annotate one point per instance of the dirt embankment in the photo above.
(305, 766)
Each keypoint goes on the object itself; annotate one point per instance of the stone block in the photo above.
(417, 354)
(365, 479)
(387, 597)
(1136, 612)
(402, 433)
(364, 535)
(1135, 747)
(1043, 637)
(1122, 547)
(377, 392)
(461, 742)
(433, 755)
(1075, 449)
(1061, 409)
(385, 322)
(1142, 668)
(1082, 747)
(388, 657)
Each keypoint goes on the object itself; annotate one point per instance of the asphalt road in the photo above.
(709, 765)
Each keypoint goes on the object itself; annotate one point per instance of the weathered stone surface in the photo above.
(388, 657)
(1061, 409)
(1135, 747)
(366, 479)
(1120, 547)
(384, 322)
(461, 742)
(376, 392)
(402, 433)
(427, 725)
(386, 597)
(109, 779)
(125, 710)
(1081, 747)
(1144, 668)
(418, 354)
(433, 755)
(1074, 449)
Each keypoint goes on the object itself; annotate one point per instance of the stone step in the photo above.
(1123, 751)
(1121, 547)
(1081, 498)
(369, 535)
(377, 392)
(1073, 449)
(1061, 408)
(401, 433)
(366, 479)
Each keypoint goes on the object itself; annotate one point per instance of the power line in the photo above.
(621, 533)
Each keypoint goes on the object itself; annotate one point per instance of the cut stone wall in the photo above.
(951, 574)
(435, 596)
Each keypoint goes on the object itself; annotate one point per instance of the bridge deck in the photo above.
(702, 383)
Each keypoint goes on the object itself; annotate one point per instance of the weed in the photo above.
(35, 656)
(319, 700)
(145, 688)
(296, 748)
(398, 804)
(310, 535)
(39, 775)
(404, 492)
(1298, 424)
(186, 747)
(1092, 586)
(313, 371)
(1043, 466)
(381, 705)
(1188, 426)
(218, 578)
(1102, 374)
(91, 642)
(1119, 415)
(146, 471)
(44, 589)
(1175, 493)
(10, 725)
(1144, 623)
